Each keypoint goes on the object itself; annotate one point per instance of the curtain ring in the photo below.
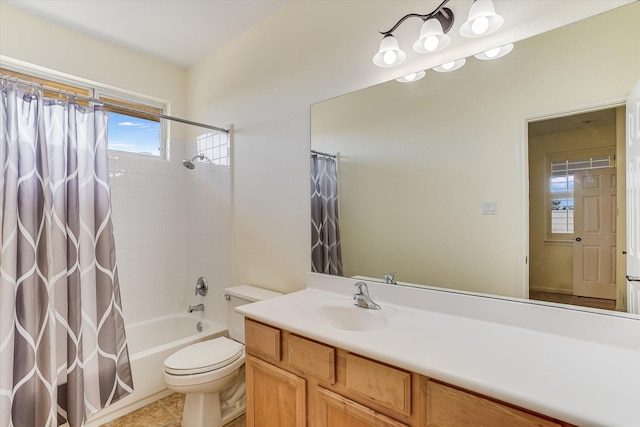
(32, 93)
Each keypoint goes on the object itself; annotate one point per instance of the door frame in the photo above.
(554, 112)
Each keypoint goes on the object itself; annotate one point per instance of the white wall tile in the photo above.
(171, 226)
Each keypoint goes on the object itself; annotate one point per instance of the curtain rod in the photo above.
(320, 153)
(108, 104)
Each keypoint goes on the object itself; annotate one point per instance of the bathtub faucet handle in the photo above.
(201, 286)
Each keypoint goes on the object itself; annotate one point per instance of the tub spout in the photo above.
(198, 307)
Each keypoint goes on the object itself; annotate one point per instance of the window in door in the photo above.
(561, 201)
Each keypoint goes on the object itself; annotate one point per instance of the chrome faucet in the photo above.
(390, 278)
(198, 307)
(202, 286)
(361, 298)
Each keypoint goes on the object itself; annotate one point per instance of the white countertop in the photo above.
(579, 367)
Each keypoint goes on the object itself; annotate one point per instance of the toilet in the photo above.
(211, 373)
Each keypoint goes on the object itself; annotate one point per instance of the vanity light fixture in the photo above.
(482, 20)
(450, 66)
(389, 53)
(413, 77)
(495, 53)
(432, 36)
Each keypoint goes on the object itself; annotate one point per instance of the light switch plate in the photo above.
(489, 207)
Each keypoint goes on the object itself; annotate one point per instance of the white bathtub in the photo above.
(150, 343)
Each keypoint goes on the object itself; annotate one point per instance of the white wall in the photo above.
(264, 83)
(28, 38)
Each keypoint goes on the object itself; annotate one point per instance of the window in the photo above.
(134, 131)
(134, 125)
(215, 146)
(561, 191)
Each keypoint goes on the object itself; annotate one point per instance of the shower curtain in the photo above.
(63, 352)
(326, 255)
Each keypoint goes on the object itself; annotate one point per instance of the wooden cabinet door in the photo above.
(451, 407)
(274, 397)
(338, 411)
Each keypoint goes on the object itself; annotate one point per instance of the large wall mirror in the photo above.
(433, 176)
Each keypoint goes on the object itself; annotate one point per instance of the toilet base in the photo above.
(199, 408)
(204, 410)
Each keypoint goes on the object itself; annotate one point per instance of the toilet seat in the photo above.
(205, 356)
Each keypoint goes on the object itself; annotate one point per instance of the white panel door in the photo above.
(594, 249)
(633, 201)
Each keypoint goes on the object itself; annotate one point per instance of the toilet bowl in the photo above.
(202, 371)
(211, 373)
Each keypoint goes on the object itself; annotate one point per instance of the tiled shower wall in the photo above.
(208, 211)
(171, 226)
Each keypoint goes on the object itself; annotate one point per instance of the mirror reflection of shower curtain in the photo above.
(326, 255)
(63, 350)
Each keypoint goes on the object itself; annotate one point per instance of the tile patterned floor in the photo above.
(166, 412)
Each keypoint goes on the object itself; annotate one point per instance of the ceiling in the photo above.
(180, 32)
(583, 121)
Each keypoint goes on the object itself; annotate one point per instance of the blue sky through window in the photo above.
(133, 134)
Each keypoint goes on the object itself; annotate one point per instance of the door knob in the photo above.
(578, 239)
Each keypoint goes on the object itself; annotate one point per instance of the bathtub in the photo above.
(150, 343)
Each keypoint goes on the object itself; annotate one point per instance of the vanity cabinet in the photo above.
(295, 381)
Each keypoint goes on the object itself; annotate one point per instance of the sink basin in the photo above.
(340, 313)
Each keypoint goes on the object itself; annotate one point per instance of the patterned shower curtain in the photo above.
(63, 352)
(326, 255)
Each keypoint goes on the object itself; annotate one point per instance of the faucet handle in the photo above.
(201, 286)
(361, 288)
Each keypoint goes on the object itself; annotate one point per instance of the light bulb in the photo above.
(413, 77)
(448, 65)
(431, 43)
(496, 52)
(492, 53)
(480, 25)
(389, 57)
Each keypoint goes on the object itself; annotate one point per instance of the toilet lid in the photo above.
(204, 356)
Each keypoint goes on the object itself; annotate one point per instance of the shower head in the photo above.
(189, 164)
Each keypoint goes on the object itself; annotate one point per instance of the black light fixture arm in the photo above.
(441, 13)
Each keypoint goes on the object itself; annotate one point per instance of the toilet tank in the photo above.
(236, 296)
